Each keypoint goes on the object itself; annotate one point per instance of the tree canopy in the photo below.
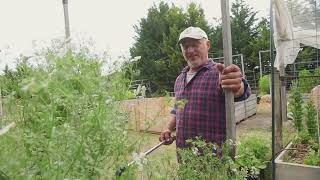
(157, 34)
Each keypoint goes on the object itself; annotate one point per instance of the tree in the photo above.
(260, 42)
(216, 49)
(156, 42)
(248, 34)
(244, 29)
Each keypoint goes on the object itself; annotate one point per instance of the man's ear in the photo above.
(208, 44)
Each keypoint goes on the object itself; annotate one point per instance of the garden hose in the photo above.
(122, 169)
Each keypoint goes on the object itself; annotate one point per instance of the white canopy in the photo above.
(296, 22)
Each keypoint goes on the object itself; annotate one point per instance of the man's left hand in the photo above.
(231, 79)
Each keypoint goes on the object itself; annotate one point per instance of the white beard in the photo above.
(193, 65)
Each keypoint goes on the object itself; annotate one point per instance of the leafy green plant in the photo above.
(295, 107)
(253, 153)
(208, 161)
(317, 79)
(68, 124)
(203, 160)
(302, 137)
(11, 79)
(304, 150)
(305, 84)
(118, 86)
(264, 85)
(313, 158)
(163, 168)
(311, 121)
(212, 161)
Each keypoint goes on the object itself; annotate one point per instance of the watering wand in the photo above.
(122, 169)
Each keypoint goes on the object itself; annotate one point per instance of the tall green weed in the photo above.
(68, 123)
(296, 108)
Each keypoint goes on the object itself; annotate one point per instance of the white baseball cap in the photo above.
(192, 32)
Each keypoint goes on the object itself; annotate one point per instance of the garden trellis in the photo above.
(296, 25)
(251, 75)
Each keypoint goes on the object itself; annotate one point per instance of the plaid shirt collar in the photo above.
(209, 65)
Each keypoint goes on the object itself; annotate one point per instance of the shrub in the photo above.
(311, 121)
(253, 154)
(264, 85)
(295, 107)
(207, 161)
(68, 124)
(201, 162)
(313, 158)
(211, 161)
(11, 80)
(306, 83)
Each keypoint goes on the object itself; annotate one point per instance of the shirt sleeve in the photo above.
(246, 93)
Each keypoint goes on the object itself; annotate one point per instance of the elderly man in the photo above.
(201, 87)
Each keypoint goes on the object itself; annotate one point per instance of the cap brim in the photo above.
(182, 39)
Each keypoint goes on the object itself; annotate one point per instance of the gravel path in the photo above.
(261, 121)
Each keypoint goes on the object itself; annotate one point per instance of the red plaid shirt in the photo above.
(200, 106)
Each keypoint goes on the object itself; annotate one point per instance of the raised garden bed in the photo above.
(292, 171)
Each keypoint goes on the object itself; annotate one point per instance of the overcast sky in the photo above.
(108, 22)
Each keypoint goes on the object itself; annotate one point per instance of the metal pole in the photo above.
(278, 112)
(221, 57)
(1, 110)
(316, 25)
(254, 80)
(272, 91)
(227, 51)
(66, 20)
(242, 64)
(260, 62)
(318, 125)
(283, 95)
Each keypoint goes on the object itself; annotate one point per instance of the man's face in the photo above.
(195, 52)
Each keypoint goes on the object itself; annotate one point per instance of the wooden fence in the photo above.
(152, 114)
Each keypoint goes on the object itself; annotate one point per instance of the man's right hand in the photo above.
(166, 136)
